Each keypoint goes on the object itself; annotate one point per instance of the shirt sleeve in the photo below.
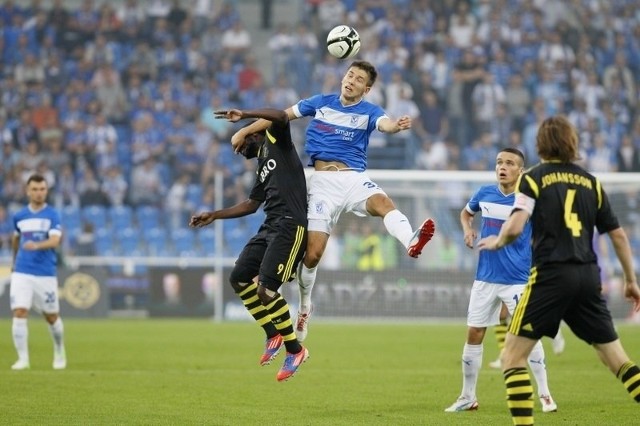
(526, 194)
(606, 220)
(56, 226)
(377, 114)
(307, 107)
(473, 206)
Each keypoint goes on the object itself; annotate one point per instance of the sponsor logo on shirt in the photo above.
(266, 169)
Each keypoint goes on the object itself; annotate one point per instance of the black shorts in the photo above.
(572, 293)
(273, 254)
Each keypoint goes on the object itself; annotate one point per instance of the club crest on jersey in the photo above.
(354, 120)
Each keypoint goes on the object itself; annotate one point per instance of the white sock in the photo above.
(539, 369)
(471, 362)
(399, 227)
(57, 334)
(20, 333)
(306, 280)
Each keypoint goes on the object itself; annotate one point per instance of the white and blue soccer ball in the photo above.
(343, 42)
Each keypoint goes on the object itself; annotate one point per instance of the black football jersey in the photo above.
(570, 204)
(280, 181)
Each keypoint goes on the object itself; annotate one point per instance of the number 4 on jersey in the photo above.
(571, 218)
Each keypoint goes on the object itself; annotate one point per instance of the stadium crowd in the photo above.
(112, 102)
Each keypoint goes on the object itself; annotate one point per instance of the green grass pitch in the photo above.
(188, 372)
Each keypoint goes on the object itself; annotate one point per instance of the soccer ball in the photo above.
(343, 42)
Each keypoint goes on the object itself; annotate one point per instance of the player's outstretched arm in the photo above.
(244, 208)
(263, 123)
(387, 125)
(623, 252)
(270, 114)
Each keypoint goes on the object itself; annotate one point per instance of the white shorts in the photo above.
(334, 192)
(486, 301)
(31, 291)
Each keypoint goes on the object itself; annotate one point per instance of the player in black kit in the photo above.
(565, 204)
(273, 254)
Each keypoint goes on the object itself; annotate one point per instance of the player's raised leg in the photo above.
(421, 237)
(399, 226)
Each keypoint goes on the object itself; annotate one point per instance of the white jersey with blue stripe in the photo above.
(511, 264)
(338, 132)
(36, 226)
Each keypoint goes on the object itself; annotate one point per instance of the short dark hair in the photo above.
(36, 178)
(368, 68)
(516, 152)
